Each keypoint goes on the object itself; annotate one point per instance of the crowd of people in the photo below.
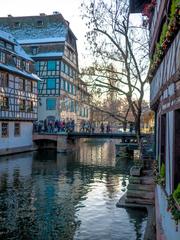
(69, 125)
(54, 126)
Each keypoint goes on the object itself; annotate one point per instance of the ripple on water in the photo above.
(52, 196)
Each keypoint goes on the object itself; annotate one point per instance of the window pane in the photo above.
(4, 130)
(16, 129)
(51, 65)
(51, 83)
(51, 104)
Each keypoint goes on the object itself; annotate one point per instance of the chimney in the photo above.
(56, 13)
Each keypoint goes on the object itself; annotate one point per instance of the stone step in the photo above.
(141, 180)
(139, 201)
(140, 194)
(147, 173)
(141, 187)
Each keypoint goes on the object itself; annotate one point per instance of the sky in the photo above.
(70, 9)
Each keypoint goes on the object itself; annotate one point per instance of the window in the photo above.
(4, 103)
(51, 83)
(37, 66)
(72, 106)
(62, 83)
(4, 130)
(39, 23)
(51, 104)
(21, 84)
(16, 129)
(9, 46)
(18, 63)
(176, 163)
(4, 79)
(68, 87)
(2, 57)
(73, 89)
(66, 69)
(51, 65)
(29, 86)
(65, 86)
(17, 24)
(2, 43)
(22, 106)
(62, 67)
(27, 66)
(29, 106)
(34, 50)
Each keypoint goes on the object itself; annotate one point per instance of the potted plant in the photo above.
(176, 196)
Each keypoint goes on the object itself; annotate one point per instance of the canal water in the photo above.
(46, 195)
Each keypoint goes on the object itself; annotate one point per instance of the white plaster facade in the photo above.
(12, 141)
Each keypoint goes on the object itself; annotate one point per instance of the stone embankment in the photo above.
(140, 194)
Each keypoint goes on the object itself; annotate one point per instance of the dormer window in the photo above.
(2, 43)
(39, 23)
(9, 46)
(18, 63)
(34, 50)
(17, 24)
(2, 57)
(27, 66)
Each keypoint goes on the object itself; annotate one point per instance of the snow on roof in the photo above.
(30, 31)
(8, 37)
(42, 40)
(21, 72)
(18, 50)
(48, 54)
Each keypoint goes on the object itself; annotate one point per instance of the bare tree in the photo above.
(120, 51)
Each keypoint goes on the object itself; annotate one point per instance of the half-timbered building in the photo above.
(163, 18)
(18, 96)
(49, 40)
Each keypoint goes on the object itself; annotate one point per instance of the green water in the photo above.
(45, 195)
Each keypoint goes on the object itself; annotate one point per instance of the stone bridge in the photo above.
(64, 142)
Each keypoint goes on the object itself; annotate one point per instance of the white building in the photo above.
(18, 96)
(51, 43)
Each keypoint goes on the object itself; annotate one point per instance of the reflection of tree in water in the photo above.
(43, 204)
(137, 217)
(16, 208)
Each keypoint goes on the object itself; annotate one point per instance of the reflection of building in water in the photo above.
(112, 184)
(137, 218)
(101, 153)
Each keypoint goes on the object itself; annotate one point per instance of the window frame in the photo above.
(17, 130)
(52, 107)
(6, 128)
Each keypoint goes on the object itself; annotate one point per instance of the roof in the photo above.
(54, 27)
(18, 50)
(18, 71)
(8, 37)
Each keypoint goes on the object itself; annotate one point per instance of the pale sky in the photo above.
(70, 9)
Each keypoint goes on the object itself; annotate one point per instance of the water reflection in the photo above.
(44, 195)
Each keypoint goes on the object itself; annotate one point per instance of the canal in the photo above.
(47, 195)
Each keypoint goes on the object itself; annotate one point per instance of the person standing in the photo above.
(102, 127)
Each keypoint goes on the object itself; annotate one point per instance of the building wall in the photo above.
(166, 226)
(25, 138)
